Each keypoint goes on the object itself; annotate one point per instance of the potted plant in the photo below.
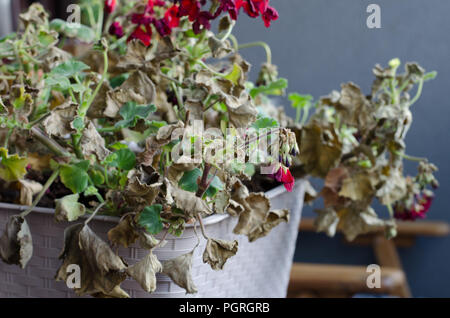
(148, 142)
(159, 149)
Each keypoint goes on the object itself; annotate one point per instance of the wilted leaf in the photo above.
(144, 272)
(16, 245)
(60, 119)
(92, 143)
(179, 270)
(189, 203)
(12, 167)
(326, 221)
(102, 271)
(68, 208)
(217, 252)
(138, 88)
(358, 187)
(123, 233)
(355, 223)
(28, 188)
(320, 149)
(394, 187)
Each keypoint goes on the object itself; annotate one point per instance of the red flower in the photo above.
(145, 36)
(418, 210)
(116, 29)
(172, 17)
(284, 175)
(110, 5)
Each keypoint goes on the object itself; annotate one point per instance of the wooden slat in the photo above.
(341, 280)
(418, 228)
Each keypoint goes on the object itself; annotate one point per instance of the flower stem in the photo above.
(263, 45)
(410, 158)
(418, 94)
(94, 213)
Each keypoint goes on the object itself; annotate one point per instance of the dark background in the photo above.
(319, 44)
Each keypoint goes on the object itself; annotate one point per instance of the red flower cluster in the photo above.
(284, 175)
(418, 209)
(144, 21)
(194, 10)
(202, 18)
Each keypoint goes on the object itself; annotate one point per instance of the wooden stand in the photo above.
(319, 280)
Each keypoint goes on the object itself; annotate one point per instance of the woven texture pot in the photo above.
(259, 269)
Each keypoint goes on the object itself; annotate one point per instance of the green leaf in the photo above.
(430, 76)
(300, 101)
(188, 182)
(154, 126)
(12, 168)
(73, 30)
(118, 80)
(150, 219)
(69, 68)
(74, 177)
(46, 38)
(131, 112)
(124, 159)
(235, 74)
(274, 88)
(265, 122)
(54, 80)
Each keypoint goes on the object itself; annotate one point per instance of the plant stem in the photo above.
(418, 94)
(49, 143)
(8, 134)
(203, 185)
(202, 226)
(203, 64)
(101, 16)
(94, 213)
(410, 158)
(41, 194)
(97, 89)
(263, 45)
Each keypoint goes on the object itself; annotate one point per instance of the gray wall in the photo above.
(320, 43)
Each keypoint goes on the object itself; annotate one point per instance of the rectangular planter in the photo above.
(259, 269)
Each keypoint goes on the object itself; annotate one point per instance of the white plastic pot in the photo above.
(259, 269)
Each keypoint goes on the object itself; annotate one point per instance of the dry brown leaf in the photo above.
(123, 233)
(217, 252)
(92, 143)
(102, 271)
(138, 88)
(144, 272)
(327, 221)
(29, 188)
(179, 270)
(16, 245)
(60, 119)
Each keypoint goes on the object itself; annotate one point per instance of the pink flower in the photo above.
(116, 29)
(418, 209)
(284, 175)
